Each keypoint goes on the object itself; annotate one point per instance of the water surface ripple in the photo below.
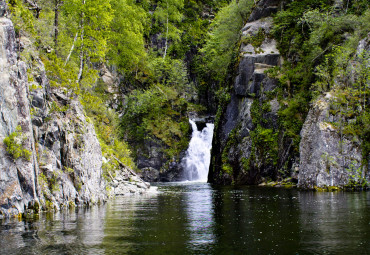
(197, 218)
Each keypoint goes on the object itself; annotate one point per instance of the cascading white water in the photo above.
(198, 155)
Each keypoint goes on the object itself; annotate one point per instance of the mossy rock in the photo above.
(327, 189)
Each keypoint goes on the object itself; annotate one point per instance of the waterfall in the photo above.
(198, 156)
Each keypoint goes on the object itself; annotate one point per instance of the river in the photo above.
(197, 218)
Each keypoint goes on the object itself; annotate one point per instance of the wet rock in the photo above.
(201, 123)
(151, 155)
(149, 174)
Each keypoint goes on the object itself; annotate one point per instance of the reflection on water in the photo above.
(60, 233)
(335, 222)
(199, 208)
(195, 218)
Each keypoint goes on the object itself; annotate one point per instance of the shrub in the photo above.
(15, 145)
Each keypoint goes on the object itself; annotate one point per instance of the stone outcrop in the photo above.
(68, 151)
(155, 165)
(327, 157)
(18, 177)
(65, 163)
(232, 146)
(250, 146)
(127, 182)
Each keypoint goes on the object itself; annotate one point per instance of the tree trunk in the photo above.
(82, 46)
(70, 52)
(34, 7)
(81, 66)
(166, 43)
(56, 25)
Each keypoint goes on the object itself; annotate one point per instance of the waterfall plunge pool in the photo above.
(198, 218)
(195, 217)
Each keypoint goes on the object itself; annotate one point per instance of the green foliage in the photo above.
(231, 141)
(15, 145)
(265, 145)
(91, 20)
(319, 44)
(106, 123)
(56, 108)
(357, 178)
(22, 17)
(222, 41)
(169, 72)
(256, 40)
(52, 181)
(159, 112)
(246, 163)
(61, 76)
(292, 116)
(168, 15)
(127, 48)
(117, 34)
(290, 33)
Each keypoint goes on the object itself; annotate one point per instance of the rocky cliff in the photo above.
(250, 144)
(328, 155)
(50, 156)
(18, 177)
(238, 155)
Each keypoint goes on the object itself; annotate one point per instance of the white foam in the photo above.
(198, 155)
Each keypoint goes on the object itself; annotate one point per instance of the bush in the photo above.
(222, 41)
(14, 145)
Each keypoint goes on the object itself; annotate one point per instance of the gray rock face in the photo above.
(152, 155)
(233, 149)
(127, 183)
(326, 157)
(69, 154)
(264, 8)
(150, 174)
(155, 165)
(18, 178)
(65, 166)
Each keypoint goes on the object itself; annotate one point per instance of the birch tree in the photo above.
(168, 15)
(91, 29)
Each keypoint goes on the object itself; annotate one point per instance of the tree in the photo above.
(91, 26)
(222, 40)
(127, 49)
(168, 15)
(57, 5)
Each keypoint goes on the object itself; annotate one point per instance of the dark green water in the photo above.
(195, 218)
